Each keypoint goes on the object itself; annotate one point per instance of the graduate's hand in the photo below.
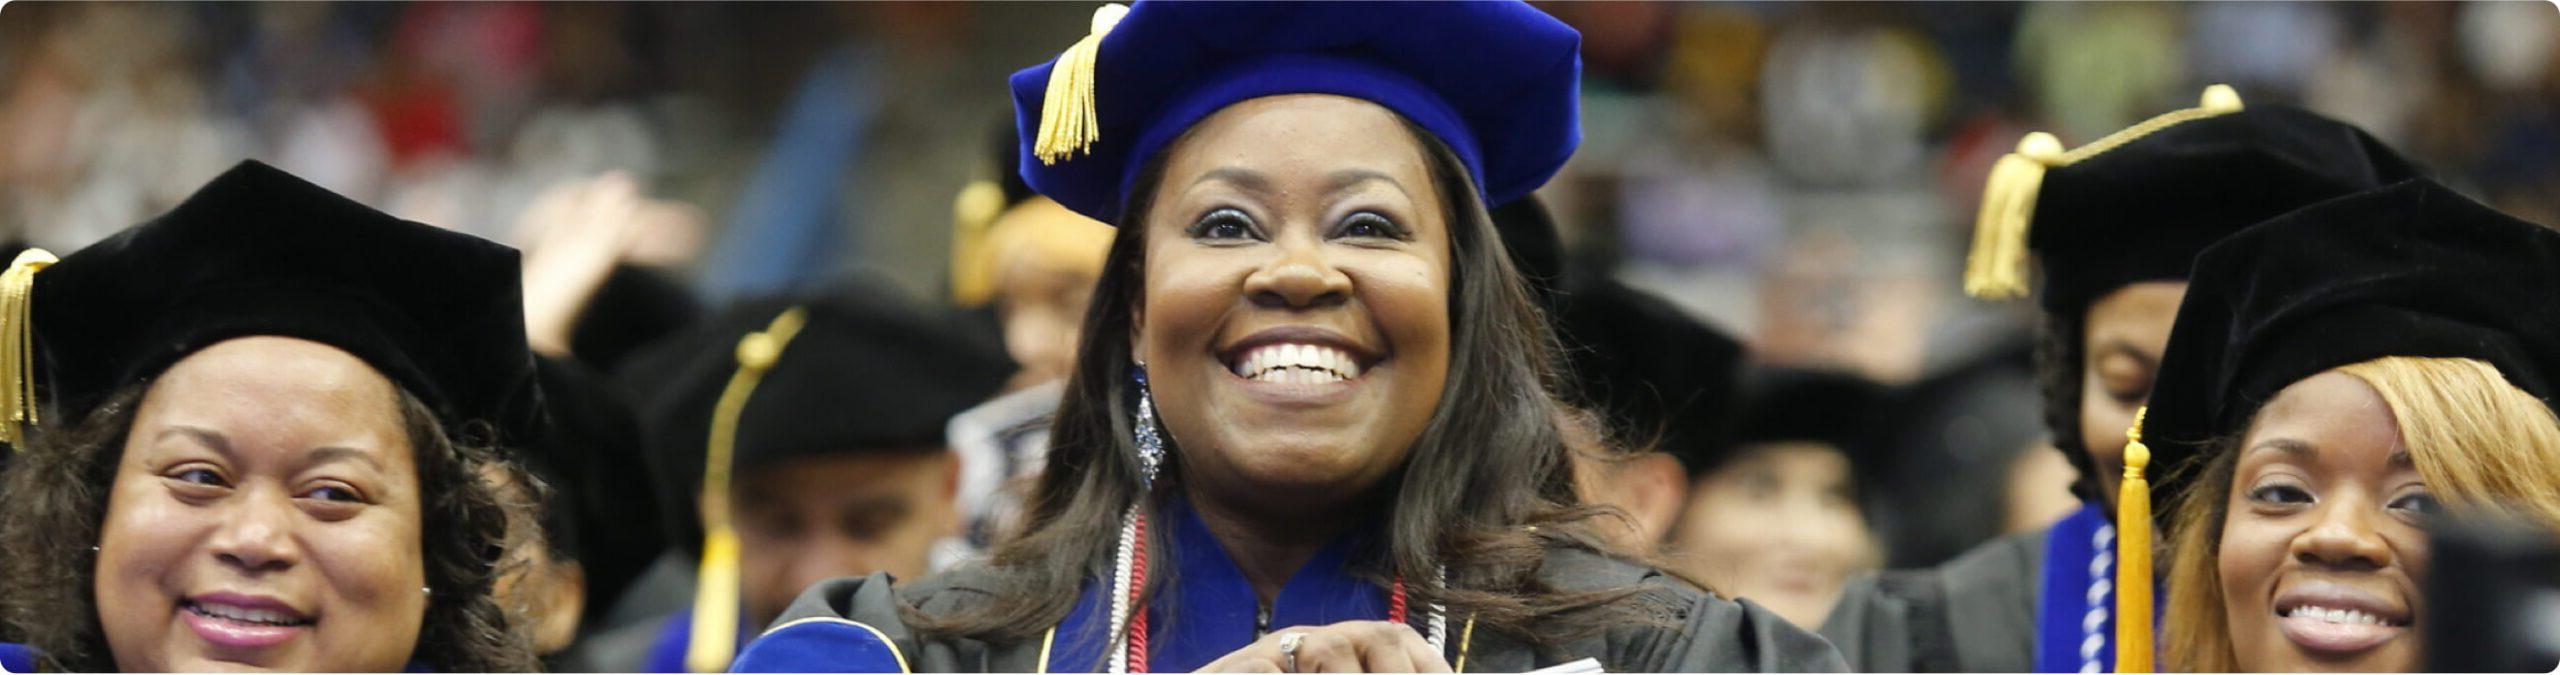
(579, 231)
(1347, 647)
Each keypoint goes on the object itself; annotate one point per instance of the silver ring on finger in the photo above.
(1289, 650)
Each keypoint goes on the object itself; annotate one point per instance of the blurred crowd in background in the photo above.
(1802, 175)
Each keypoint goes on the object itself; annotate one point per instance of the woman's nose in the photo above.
(1300, 278)
(2345, 536)
(256, 535)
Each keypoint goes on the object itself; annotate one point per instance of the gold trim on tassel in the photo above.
(1996, 269)
(2133, 555)
(973, 213)
(17, 344)
(715, 601)
(1466, 642)
(1067, 121)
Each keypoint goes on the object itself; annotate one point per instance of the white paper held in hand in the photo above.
(1571, 668)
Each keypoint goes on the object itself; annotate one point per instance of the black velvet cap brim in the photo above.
(2142, 211)
(2408, 270)
(1781, 404)
(869, 373)
(634, 308)
(1657, 373)
(260, 252)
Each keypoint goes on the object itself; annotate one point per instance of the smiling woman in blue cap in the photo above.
(1312, 424)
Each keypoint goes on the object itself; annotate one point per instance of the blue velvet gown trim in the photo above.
(1208, 610)
(2075, 611)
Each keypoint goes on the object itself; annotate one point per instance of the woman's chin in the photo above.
(2398, 655)
(1301, 470)
(209, 663)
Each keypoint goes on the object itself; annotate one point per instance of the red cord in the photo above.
(1138, 582)
(1395, 602)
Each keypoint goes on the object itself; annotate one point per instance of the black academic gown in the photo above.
(1974, 614)
(855, 623)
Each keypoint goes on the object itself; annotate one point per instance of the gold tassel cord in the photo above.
(17, 344)
(1068, 124)
(715, 601)
(973, 213)
(2133, 555)
(2217, 100)
(1996, 268)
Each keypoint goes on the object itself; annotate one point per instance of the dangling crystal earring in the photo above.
(1150, 442)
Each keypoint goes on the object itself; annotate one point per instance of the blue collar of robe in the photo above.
(2076, 608)
(1208, 610)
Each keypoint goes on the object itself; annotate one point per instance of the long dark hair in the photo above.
(1488, 491)
(56, 502)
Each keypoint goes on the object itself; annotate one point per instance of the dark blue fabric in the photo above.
(819, 646)
(1499, 82)
(1084, 635)
(1208, 611)
(2075, 618)
(666, 655)
(17, 658)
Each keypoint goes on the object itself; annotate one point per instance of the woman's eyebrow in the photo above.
(2287, 446)
(1350, 178)
(333, 453)
(222, 445)
(1246, 179)
(209, 438)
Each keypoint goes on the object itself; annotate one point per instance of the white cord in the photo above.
(1438, 623)
(1120, 591)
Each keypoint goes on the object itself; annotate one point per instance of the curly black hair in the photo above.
(2060, 348)
(57, 491)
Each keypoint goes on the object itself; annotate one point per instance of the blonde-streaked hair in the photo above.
(2481, 444)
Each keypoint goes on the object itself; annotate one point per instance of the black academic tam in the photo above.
(2412, 269)
(261, 252)
(869, 372)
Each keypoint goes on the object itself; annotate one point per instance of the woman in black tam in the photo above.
(2339, 379)
(1311, 425)
(259, 428)
(2112, 227)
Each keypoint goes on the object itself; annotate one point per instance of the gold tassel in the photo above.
(17, 345)
(973, 212)
(1067, 121)
(715, 600)
(1996, 269)
(2133, 555)
(2218, 100)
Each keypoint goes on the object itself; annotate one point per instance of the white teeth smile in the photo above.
(2335, 615)
(245, 615)
(1296, 364)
